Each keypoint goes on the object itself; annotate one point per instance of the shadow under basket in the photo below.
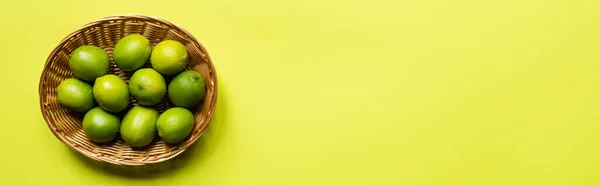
(105, 33)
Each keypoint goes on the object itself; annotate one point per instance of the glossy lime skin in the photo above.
(132, 52)
(187, 89)
(138, 127)
(175, 124)
(111, 93)
(147, 86)
(100, 126)
(169, 57)
(75, 95)
(89, 62)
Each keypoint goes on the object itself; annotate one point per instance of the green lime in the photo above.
(100, 126)
(89, 62)
(111, 93)
(175, 124)
(138, 127)
(169, 57)
(187, 89)
(147, 86)
(75, 95)
(132, 52)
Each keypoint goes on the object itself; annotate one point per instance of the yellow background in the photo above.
(343, 92)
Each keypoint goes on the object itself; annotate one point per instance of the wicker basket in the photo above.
(104, 33)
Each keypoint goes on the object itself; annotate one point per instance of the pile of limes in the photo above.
(101, 95)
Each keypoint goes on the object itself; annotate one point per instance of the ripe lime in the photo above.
(147, 86)
(111, 93)
(100, 126)
(132, 52)
(175, 124)
(75, 95)
(169, 57)
(139, 126)
(89, 62)
(187, 89)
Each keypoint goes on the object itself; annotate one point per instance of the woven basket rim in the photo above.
(116, 17)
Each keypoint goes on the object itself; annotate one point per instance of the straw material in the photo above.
(105, 33)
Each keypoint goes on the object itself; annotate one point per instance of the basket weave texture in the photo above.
(105, 33)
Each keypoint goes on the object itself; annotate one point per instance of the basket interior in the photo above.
(105, 33)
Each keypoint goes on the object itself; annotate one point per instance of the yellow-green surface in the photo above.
(334, 92)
